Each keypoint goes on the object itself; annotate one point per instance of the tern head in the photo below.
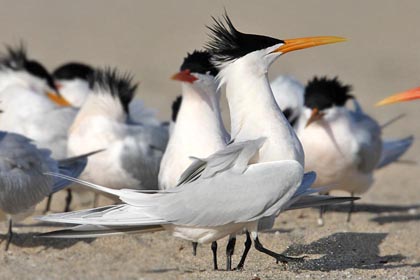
(197, 70)
(323, 97)
(228, 45)
(109, 82)
(18, 68)
(408, 95)
(71, 79)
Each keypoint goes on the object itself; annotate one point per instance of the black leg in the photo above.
(194, 245)
(248, 244)
(278, 257)
(69, 198)
(322, 210)
(230, 248)
(9, 235)
(214, 249)
(351, 210)
(48, 206)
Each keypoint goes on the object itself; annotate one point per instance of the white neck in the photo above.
(198, 132)
(255, 113)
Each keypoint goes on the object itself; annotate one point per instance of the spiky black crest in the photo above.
(323, 93)
(118, 85)
(176, 105)
(227, 43)
(199, 62)
(17, 60)
(73, 70)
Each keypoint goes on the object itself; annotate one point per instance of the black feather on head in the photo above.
(199, 62)
(176, 105)
(118, 85)
(227, 43)
(17, 60)
(73, 70)
(323, 93)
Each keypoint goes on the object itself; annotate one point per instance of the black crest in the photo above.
(199, 62)
(323, 93)
(227, 43)
(118, 85)
(176, 105)
(17, 60)
(73, 70)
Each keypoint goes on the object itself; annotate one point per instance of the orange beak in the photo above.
(400, 97)
(315, 116)
(58, 99)
(184, 76)
(308, 42)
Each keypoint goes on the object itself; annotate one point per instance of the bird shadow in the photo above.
(373, 208)
(396, 219)
(32, 240)
(343, 251)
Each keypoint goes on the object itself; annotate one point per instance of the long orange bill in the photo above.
(315, 116)
(184, 76)
(58, 99)
(400, 97)
(308, 42)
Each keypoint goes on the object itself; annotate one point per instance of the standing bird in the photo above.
(133, 151)
(342, 146)
(231, 189)
(22, 180)
(197, 130)
(408, 95)
(31, 106)
(72, 79)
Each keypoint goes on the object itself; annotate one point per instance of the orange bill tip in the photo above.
(408, 95)
(58, 99)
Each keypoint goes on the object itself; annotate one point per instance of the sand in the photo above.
(149, 39)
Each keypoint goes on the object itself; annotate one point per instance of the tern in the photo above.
(256, 177)
(133, 151)
(344, 147)
(31, 105)
(22, 182)
(197, 129)
(72, 80)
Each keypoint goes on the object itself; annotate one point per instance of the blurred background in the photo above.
(150, 39)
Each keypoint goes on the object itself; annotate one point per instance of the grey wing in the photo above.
(368, 134)
(262, 190)
(22, 183)
(235, 156)
(229, 197)
(392, 150)
(142, 152)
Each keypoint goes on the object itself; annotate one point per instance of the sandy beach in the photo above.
(150, 39)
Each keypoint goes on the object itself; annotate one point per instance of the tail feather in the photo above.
(392, 150)
(93, 231)
(72, 167)
(318, 200)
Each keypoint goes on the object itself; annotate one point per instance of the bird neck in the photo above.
(255, 113)
(200, 112)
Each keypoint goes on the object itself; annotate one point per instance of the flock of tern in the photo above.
(288, 145)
